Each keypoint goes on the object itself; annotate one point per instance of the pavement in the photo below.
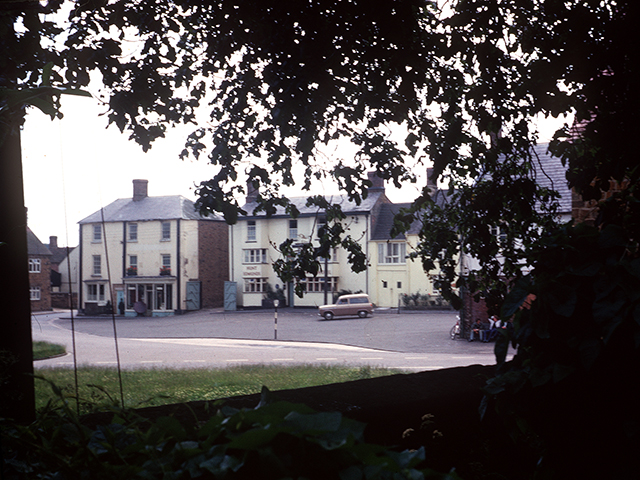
(409, 341)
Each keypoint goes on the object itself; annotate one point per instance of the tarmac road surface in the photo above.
(217, 339)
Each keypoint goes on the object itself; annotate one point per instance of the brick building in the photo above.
(64, 275)
(39, 273)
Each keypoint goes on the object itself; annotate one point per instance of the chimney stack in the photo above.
(140, 190)
(252, 192)
(53, 242)
(431, 180)
(378, 183)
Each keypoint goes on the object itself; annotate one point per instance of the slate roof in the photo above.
(384, 220)
(348, 207)
(551, 173)
(35, 246)
(149, 208)
(58, 253)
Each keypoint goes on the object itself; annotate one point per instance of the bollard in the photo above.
(275, 319)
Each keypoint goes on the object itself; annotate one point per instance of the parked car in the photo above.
(358, 304)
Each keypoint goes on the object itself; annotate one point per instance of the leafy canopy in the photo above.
(269, 85)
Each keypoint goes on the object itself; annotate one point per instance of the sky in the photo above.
(74, 166)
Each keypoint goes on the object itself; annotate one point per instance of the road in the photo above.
(215, 339)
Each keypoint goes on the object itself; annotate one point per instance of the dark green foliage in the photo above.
(577, 330)
(277, 440)
(280, 82)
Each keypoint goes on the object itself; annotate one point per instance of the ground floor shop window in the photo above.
(155, 296)
(96, 292)
(257, 285)
(316, 284)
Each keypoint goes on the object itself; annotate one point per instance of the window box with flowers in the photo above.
(165, 271)
(132, 271)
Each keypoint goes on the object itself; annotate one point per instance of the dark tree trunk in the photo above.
(17, 400)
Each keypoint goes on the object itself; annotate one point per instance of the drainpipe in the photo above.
(232, 252)
(178, 269)
(124, 250)
(366, 247)
(80, 276)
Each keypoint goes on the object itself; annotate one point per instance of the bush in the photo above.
(273, 441)
(577, 330)
(418, 301)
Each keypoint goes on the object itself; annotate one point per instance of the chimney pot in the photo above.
(431, 179)
(377, 182)
(140, 190)
(252, 192)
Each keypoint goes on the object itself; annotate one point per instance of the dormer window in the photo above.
(392, 252)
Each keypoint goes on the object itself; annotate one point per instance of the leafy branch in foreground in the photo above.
(273, 86)
(275, 440)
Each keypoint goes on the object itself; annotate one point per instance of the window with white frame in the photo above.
(132, 269)
(392, 252)
(166, 231)
(316, 284)
(34, 293)
(333, 256)
(35, 265)
(133, 232)
(251, 231)
(162, 297)
(293, 229)
(498, 233)
(255, 255)
(92, 292)
(255, 285)
(95, 292)
(97, 265)
(165, 264)
(97, 233)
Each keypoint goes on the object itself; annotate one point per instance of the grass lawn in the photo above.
(99, 387)
(46, 350)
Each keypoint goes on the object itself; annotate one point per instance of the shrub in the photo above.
(275, 440)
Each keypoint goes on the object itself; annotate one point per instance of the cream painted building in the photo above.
(253, 240)
(392, 274)
(153, 256)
